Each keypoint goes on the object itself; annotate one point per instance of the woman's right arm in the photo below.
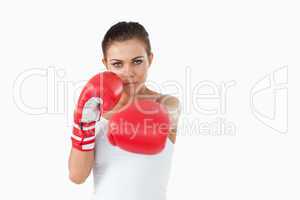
(80, 165)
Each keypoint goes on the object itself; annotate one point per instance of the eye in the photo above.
(117, 65)
(137, 62)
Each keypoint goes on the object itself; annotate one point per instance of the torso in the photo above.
(119, 174)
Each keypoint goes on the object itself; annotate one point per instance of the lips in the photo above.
(130, 83)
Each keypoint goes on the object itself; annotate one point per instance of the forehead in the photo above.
(127, 49)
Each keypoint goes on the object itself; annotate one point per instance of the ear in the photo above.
(104, 63)
(150, 57)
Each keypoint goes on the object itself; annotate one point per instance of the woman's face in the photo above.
(130, 61)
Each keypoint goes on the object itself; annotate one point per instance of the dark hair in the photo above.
(123, 31)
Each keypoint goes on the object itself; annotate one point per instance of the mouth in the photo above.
(130, 83)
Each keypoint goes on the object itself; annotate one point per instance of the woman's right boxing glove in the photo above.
(99, 95)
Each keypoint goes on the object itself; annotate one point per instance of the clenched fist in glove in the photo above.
(99, 95)
(142, 127)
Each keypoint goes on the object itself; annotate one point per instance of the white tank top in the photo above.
(122, 175)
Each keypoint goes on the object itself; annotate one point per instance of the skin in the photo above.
(130, 61)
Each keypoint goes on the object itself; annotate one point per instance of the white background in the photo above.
(212, 41)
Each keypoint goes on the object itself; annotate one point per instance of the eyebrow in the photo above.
(137, 57)
(131, 59)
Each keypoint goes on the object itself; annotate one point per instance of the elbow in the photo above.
(77, 178)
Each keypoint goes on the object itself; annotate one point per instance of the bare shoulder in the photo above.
(172, 104)
(169, 101)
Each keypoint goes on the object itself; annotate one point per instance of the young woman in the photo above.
(118, 174)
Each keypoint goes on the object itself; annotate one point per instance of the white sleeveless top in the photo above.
(122, 175)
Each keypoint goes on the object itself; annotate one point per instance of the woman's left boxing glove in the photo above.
(143, 128)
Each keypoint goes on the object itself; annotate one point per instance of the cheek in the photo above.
(141, 73)
(118, 72)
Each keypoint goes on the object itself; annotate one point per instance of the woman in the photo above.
(118, 174)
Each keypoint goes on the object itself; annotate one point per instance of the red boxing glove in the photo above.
(141, 128)
(99, 95)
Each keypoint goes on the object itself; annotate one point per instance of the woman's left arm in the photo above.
(172, 104)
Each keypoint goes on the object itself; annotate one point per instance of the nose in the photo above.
(128, 71)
